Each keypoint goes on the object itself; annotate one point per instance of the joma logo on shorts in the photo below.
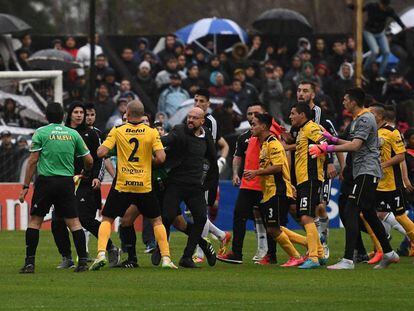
(134, 183)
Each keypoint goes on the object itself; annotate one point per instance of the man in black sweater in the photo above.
(191, 161)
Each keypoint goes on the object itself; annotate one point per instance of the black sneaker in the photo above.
(209, 251)
(403, 252)
(156, 256)
(150, 247)
(187, 262)
(81, 268)
(114, 256)
(67, 263)
(128, 264)
(230, 258)
(27, 268)
(359, 258)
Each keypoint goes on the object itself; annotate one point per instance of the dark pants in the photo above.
(86, 206)
(361, 199)
(246, 201)
(194, 199)
(147, 231)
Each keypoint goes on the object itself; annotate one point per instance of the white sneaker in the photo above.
(99, 262)
(260, 253)
(387, 259)
(343, 264)
(167, 263)
(325, 251)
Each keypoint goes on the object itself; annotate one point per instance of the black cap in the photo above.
(157, 124)
(175, 76)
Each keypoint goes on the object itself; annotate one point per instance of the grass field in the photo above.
(223, 287)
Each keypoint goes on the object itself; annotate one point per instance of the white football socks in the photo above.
(390, 219)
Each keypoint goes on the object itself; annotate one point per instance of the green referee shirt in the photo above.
(58, 145)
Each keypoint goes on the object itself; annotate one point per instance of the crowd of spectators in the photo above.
(260, 71)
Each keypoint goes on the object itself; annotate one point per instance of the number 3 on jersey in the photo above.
(132, 157)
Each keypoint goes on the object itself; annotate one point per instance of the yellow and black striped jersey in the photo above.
(391, 144)
(272, 153)
(307, 168)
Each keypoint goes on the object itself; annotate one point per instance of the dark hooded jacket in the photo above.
(92, 141)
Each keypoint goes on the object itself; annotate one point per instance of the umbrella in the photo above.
(186, 106)
(12, 24)
(407, 18)
(282, 22)
(211, 26)
(52, 59)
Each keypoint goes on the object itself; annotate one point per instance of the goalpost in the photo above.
(28, 79)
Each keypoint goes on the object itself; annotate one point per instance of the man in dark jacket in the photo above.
(85, 192)
(191, 161)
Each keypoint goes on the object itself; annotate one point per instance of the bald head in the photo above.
(135, 109)
(195, 118)
(198, 111)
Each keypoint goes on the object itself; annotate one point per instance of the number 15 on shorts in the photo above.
(304, 202)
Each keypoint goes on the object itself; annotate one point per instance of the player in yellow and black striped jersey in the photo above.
(309, 174)
(390, 194)
(136, 143)
(275, 180)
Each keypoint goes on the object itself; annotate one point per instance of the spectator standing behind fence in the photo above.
(84, 55)
(70, 47)
(228, 119)
(101, 65)
(272, 94)
(9, 114)
(193, 82)
(173, 96)
(374, 31)
(116, 118)
(9, 158)
(163, 77)
(104, 107)
(218, 87)
(146, 81)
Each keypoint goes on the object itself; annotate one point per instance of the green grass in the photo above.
(236, 287)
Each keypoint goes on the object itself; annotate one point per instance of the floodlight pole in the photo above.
(359, 41)
(92, 70)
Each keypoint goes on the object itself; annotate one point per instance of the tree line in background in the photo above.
(163, 16)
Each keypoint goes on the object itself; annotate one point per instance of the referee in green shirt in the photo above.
(52, 151)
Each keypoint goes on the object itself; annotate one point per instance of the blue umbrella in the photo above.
(211, 26)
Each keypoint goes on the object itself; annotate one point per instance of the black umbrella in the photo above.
(282, 22)
(12, 24)
(52, 59)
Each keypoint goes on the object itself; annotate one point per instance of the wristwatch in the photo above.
(25, 186)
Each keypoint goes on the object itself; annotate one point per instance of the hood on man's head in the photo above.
(351, 75)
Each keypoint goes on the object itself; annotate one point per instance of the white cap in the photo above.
(145, 64)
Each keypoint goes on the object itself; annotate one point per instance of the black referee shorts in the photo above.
(391, 201)
(118, 202)
(58, 191)
(308, 196)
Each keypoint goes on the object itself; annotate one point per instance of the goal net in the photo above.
(24, 96)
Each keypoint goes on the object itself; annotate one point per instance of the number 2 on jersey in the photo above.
(132, 157)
